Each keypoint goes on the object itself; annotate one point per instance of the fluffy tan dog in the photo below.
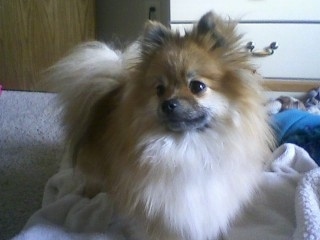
(173, 128)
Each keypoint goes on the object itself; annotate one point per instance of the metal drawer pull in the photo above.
(262, 53)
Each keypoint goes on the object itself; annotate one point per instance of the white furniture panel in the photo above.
(298, 54)
(293, 24)
(247, 10)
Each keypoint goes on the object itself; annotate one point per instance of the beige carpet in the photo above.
(30, 151)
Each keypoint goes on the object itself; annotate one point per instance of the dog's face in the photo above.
(185, 80)
(188, 81)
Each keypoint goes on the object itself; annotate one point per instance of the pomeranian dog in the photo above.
(173, 128)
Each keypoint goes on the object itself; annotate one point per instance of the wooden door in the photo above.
(36, 33)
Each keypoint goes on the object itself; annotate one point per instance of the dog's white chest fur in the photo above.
(194, 186)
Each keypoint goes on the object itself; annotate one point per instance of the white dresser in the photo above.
(293, 24)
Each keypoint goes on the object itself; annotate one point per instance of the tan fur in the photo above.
(177, 184)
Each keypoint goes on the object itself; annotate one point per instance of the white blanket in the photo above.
(286, 208)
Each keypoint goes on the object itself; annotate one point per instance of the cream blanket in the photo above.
(286, 208)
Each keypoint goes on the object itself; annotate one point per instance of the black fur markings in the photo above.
(155, 35)
(207, 25)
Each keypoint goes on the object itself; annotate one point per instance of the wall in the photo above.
(121, 21)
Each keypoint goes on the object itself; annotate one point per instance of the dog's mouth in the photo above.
(185, 124)
(180, 118)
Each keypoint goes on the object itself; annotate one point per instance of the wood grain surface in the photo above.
(36, 33)
(281, 85)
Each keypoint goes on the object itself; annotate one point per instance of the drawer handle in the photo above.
(262, 53)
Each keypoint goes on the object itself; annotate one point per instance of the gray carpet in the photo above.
(30, 151)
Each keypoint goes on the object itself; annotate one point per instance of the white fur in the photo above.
(196, 184)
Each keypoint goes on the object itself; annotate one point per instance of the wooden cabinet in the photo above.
(294, 25)
(36, 33)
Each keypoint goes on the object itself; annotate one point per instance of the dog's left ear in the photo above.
(206, 24)
(154, 36)
(209, 29)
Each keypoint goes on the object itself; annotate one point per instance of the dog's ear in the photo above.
(206, 24)
(154, 36)
(209, 30)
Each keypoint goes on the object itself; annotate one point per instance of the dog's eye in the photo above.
(197, 86)
(160, 90)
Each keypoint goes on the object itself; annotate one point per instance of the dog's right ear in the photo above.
(154, 36)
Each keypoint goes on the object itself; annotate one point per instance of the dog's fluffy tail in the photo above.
(82, 78)
(91, 68)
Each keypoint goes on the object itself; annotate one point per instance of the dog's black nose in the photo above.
(169, 106)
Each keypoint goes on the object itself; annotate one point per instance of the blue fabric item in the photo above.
(301, 128)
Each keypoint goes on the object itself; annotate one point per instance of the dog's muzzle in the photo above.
(180, 115)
